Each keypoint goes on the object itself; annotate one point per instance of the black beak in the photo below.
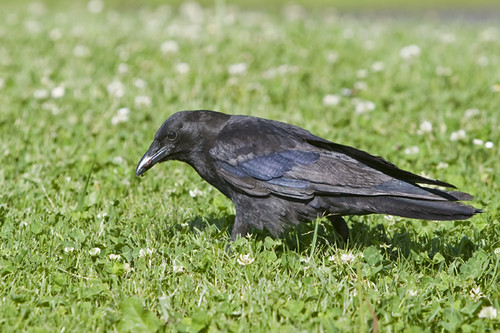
(154, 155)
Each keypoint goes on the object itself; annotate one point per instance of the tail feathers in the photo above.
(424, 209)
(461, 196)
(404, 207)
(450, 195)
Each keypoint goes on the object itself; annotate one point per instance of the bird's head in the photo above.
(180, 137)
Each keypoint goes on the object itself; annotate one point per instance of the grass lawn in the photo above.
(85, 243)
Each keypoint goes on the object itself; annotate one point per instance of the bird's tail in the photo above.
(426, 209)
(411, 208)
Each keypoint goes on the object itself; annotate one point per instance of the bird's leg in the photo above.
(240, 228)
(340, 226)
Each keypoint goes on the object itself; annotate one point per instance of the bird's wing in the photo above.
(375, 162)
(262, 157)
(252, 154)
(262, 175)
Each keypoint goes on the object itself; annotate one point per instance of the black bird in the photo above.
(278, 175)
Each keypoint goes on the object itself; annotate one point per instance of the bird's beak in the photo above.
(154, 155)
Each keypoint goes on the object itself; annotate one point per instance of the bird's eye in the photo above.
(172, 136)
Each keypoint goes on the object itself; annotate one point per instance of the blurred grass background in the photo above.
(343, 5)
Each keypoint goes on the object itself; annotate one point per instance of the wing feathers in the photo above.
(265, 157)
(375, 162)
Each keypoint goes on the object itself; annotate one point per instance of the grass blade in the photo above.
(83, 193)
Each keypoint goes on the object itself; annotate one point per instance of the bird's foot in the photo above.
(340, 226)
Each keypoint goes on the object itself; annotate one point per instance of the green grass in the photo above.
(69, 198)
(343, 5)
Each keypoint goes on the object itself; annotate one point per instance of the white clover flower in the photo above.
(127, 268)
(475, 293)
(410, 52)
(45, 80)
(332, 258)
(122, 68)
(81, 51)
(32, 26)
(113, 256)
(495, 88)
(346, 92)
(40, 94)
(489, 34)
(469, 113)
(332, 57)
(458, 135)
(413, 150)
(443, 71)
(362, 106)
(123, 54)
(169, 46)
(294, 12)
(425, 127)
(378, 66)
(95, 6)
(280, 70)
(192, 10)
(2, 83)
(116, 160)
(55, 34)
(412, 293)
(58, 92)
(245, 259)
(447, 38)
(362, 73)
(142, 101)
(102, 216)
(121, 116)
(478, 142)
(69, 249)
(116, 89)
(177, 267)
(210, 49)
(77, 31)
(237, 69)
(488, 312)
(195, 193)
(182, 67)
(270, 73)
(347, 258)
(497, 251)
(94, 251)
(145, 252)
(37, 8)
(360, 85)
(331, 100)
(348, 33)
(254, 86)
(369, 45)
(488, 144)
(140, 83)
(483, 61)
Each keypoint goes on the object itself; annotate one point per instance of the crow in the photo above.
(278, 175)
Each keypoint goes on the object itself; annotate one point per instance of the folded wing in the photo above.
(266, 157)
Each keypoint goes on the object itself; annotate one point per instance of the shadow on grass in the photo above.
(300, 238)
